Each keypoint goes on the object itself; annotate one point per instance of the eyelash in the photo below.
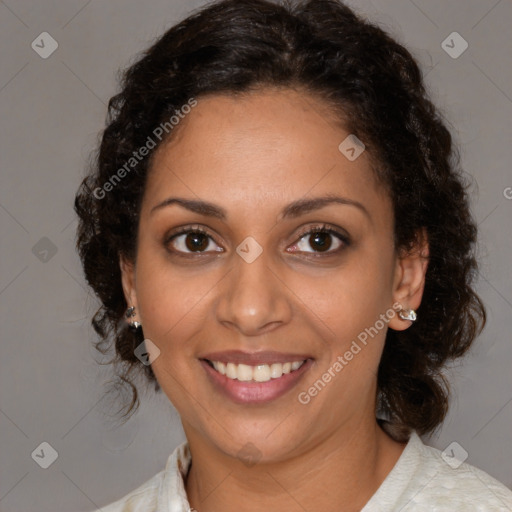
(331, 230)
(322, 228)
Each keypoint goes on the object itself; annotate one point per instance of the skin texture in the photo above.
(252, 155)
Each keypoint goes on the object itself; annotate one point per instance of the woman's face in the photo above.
(253, 288)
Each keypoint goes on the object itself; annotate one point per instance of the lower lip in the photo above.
(243, 392)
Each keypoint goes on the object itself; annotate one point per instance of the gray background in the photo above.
(51, 387)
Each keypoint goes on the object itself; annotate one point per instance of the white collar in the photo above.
(172, 496)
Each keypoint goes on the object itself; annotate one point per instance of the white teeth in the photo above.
(244, 372)
(276, 370)
(220, 367)
(231, 371)
(259, 373)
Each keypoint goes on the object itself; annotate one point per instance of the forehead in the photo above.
(260, 150)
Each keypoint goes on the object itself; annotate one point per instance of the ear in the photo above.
(409, 282)
(128, 282)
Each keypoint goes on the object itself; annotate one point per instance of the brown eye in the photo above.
(192, 241)
(196, 241)
(320, 241)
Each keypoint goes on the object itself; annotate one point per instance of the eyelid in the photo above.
(308, 230)
(342, 236)
(325, 228)
(192, 228)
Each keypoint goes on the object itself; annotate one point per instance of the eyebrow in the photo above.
(293, 210)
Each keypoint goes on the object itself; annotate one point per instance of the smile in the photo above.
(262, 381)
(258, 373)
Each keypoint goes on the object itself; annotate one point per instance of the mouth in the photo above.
(254, 378)
(258, 373)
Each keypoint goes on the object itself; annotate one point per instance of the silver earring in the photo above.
(408, 314)
(130, 312)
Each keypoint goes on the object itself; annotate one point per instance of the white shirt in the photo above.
(421, 481)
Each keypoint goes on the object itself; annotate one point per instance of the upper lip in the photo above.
(254, 358)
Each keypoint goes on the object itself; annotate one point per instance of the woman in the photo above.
(278, 216)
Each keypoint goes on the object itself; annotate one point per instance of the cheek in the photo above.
(174, 307)
(349, 299)
(348, 321)
(174, 303)
(350, 315)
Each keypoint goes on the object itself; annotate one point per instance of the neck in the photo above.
(340, 470)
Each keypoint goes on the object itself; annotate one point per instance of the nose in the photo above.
(253, 299)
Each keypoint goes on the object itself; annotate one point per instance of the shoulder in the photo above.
(460, 484)
(426, 479)
(143, 499)
(161, 493)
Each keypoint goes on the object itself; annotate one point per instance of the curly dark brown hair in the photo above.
(323, 47)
